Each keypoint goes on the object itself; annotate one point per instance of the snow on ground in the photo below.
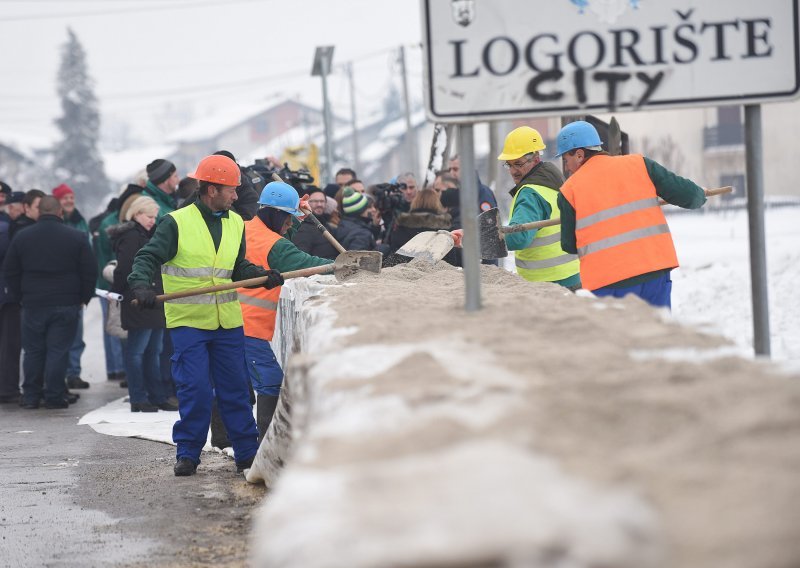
(712, 288)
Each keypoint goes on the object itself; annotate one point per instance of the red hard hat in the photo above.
(218, 169)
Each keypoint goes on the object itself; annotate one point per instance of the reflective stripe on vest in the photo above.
(197, 264)
(259, 305)
(620, 230)
(543, 260)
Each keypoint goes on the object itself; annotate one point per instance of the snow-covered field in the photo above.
(712, 287)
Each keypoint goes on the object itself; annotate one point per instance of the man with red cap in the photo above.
(74, 219)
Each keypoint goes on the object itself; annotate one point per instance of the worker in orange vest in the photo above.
(610, 217)
(280, 205)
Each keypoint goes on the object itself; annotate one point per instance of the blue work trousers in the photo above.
(656, 292)
(265, 373)
(199, 355)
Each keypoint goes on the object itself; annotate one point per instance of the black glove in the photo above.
(145, 298)
(274, 279)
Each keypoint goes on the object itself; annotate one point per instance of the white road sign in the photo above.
(489, 59)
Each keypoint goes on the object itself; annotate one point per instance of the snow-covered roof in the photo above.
(225, 118)
(123, 165)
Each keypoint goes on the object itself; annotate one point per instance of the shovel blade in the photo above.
(350, 262)
(431, 246)
(493, 245)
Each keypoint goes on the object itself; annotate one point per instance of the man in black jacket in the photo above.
(52, 269)
(308, 238)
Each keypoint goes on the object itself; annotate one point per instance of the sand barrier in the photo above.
(548, 429)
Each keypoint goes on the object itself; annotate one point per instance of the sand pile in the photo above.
(546, 429)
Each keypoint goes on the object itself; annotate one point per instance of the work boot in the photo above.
(244, 464)
(76, 383)
(143, 407)
(219, 435)
(264, 412)
(168, 406)
(184, 467)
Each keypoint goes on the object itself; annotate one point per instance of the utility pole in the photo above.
(356, 152)
(322, 67)
(411, 142)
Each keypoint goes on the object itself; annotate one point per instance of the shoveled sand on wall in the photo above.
(547, 429)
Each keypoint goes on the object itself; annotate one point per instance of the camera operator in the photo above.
(390, 202)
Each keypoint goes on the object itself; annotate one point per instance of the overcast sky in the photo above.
(145, 54)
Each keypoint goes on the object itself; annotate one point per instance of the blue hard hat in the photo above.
(280, 195)
(578, 134)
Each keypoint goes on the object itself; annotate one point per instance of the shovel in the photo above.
(492, 234)
(370, 260)
(430, 246)
(346, 265)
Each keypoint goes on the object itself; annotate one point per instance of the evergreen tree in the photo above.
(77, 161)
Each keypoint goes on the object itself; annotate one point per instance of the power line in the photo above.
(217, 86)
(160, 7)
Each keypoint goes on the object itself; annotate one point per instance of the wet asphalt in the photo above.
(73, 497)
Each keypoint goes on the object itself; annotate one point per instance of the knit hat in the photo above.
(141, 204)
(158, 171)
(5, 188)
(62, 190)
(353, 202)
(16, 197)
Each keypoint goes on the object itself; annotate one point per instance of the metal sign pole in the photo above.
(469, 218)
(755, 215)
(323, 57)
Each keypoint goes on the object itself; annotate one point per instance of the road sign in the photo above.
(504, 58)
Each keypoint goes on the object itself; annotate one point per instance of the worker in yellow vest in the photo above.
(268, 247)
(538, 254)
(204, 245)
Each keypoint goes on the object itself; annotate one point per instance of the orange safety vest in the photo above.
(259, 305)
(620, 230)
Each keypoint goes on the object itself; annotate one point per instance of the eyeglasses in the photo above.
(517, 165)
(316, 201)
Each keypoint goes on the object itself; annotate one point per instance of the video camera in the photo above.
(260, 174)
(388, 197)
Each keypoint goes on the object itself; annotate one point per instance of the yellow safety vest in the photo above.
(543, 260)
(197, 264)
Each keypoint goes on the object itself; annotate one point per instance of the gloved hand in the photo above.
(145, 298)
(274, 279)
(457, 235)
(304, 206)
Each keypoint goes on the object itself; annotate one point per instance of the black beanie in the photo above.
(224, 153)
(158, 171)
(5, 188)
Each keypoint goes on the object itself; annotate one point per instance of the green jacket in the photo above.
(102, 248)
(166, 201)
(164, 246)
(670, 187)
(76, 221)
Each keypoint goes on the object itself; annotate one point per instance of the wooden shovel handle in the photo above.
(303, 272)
(325, 232)
(322, 229)
(550, 222)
